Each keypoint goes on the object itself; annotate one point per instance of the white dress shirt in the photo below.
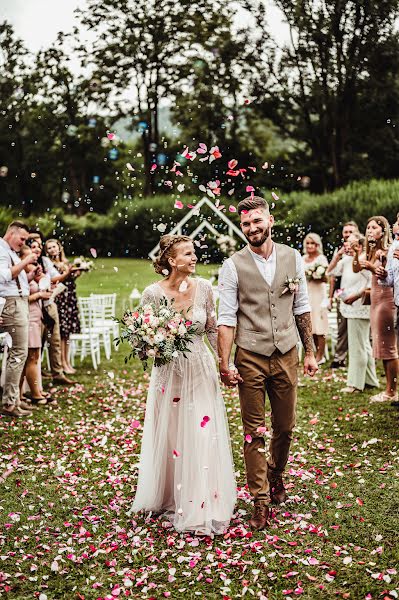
(8, 286)
(228, 286)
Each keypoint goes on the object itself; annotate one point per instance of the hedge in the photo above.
(130, 227)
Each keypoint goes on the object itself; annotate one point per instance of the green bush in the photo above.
(130, 227)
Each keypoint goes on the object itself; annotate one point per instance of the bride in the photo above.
(186, 468)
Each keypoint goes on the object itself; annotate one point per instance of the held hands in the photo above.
(230, 377)
(310, 366)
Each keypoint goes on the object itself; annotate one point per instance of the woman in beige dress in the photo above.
(316, 264)
(382, 310)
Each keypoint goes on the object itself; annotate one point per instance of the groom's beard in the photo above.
(262, 239)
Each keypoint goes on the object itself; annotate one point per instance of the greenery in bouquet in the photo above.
(158, 332)
(316, 272)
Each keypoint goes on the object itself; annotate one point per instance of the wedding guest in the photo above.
(382, 313)
(361, 371)
(316, 264)
(14, 287)
(67, 302)
(52, 334)
(389, 276)
(341, 348)
(32, 365)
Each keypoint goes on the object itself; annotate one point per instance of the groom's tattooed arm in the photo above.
(304, 325)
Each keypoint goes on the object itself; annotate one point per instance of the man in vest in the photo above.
(263, 305)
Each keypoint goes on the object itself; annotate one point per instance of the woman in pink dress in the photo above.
(32, 366)
(382, 310)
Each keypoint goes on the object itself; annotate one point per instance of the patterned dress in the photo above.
(67, 305)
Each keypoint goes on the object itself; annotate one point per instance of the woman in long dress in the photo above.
(382, 310)
(186, 468)
(314, 258)
(66, 301)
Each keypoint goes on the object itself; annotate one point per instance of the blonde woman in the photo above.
(382, 311)
(316, 264)
(67, 302)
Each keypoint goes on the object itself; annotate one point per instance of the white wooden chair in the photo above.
(88, 325)
(88, 341)
(103, 313)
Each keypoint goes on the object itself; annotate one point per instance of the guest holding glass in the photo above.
(67, 302)
(382, 312)
(354, 286)
(315, 264)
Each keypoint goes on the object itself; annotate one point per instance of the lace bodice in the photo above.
(203, 310)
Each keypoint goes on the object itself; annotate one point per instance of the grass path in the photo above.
(68, 482)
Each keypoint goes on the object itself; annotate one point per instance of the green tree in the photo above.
(316, 87)
(17, 99)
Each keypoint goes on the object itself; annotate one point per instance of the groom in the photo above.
(263, 303)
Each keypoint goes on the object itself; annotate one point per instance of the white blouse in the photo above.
(352, 283)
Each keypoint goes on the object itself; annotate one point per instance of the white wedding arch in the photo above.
(232, 229)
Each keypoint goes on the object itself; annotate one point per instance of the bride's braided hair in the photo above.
(167, 245)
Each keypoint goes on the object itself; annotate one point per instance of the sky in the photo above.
(37, 22)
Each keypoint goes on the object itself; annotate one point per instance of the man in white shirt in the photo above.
(263, 302)
(14, 287)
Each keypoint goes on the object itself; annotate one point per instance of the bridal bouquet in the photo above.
(82, 264)
(158, 332)
(316, 272)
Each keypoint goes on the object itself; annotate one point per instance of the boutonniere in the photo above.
(291, 285)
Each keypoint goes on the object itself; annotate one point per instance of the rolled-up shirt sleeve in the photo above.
(5, 274)
(228, 294)
(301, 299)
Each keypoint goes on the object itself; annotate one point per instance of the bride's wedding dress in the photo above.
(186, 468)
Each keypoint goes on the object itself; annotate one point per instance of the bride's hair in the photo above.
(167, 250)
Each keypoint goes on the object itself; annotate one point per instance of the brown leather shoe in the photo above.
(260, 517)
(278, 495)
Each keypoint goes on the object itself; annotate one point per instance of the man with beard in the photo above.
(263, 303)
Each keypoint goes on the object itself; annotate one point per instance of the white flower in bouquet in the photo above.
(320, 271)
(83, 264)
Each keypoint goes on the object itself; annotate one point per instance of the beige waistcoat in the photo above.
(265, 320)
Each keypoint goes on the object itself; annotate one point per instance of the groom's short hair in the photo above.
(252, 202)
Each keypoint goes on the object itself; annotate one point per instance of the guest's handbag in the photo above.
(47, 319)
(366, 301)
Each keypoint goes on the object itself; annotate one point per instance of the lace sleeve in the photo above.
(211, 318)
(148, 296)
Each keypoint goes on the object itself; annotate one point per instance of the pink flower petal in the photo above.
(249, 188)
(248, 438)
(179, 204)
(232, 209)
(93, 252)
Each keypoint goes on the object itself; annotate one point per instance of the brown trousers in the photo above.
(278, 376)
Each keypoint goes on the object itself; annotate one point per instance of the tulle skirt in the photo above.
(186, 468)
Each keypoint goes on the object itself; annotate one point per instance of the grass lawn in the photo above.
(68, 474)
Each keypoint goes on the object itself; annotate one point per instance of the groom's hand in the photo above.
(310, 366)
